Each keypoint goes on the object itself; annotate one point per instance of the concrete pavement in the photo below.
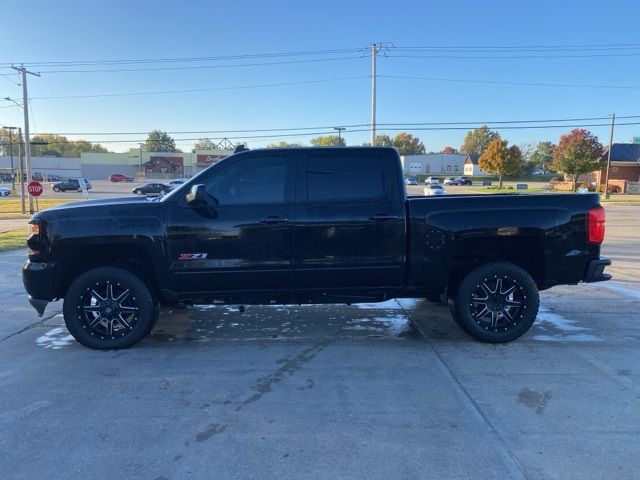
(330, 391)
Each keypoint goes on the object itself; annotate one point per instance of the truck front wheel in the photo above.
(109, 308)
(496, 303)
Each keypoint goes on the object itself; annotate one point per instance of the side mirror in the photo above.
(197, 197)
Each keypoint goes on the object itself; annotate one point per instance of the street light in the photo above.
(339, 130)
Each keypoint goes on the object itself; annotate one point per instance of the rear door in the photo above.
(349, 229)
(245, 242)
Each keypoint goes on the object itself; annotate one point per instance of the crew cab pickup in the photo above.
(308, 225)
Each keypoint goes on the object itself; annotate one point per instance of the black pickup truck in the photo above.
(308, 225)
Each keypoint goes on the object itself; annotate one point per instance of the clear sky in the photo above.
(337, 88)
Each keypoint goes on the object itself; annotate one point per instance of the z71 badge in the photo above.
(192, 256)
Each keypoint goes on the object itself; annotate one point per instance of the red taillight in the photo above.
(595, 225)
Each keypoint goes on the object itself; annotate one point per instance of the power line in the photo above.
(186, 59)
(500, 82)
(507, 57)
(200, 67)
(196, 90)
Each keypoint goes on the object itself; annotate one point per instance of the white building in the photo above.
(434, 164)
(472, 168)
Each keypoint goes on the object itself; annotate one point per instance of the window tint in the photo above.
(344, 177)
(252, 180)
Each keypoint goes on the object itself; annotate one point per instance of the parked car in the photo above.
(118, 177)
(410, 181)
(308, 225)
(465, 181)
(6, 177)
(177, 182)
(451, 181)
(152, 189)
(432, 181)
(70, 184)
(53, 178)
(37, 176)
(5, 192)
(434, 190)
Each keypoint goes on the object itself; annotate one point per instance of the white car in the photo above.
(177, 182)
(432, 181)
(5, 192)
(434, 190)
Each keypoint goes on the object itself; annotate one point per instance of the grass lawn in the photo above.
(11, 207)
(13, 239)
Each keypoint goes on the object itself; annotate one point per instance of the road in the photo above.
(331, 391)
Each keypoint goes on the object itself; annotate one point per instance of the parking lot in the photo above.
(379, 391)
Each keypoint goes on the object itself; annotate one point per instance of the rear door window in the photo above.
(343, 177)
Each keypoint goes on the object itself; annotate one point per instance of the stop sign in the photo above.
(35, 189)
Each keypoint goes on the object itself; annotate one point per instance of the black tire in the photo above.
(511, 306)
(56, 189)
(109, 308)
(162, 192)
(138, 192)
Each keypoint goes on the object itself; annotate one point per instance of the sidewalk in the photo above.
(8, 224)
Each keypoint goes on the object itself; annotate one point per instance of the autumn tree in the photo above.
(328, 141)
(542, 155)
(407, 144)
(577, 152)
(448, 149)
(205, 144)
(500, 159)
(159, 141)
(476, 141)
(284, 144)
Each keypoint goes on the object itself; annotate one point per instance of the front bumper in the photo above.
(595, 271)
(38, 280)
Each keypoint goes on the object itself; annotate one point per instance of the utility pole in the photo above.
(25, 108)
(375, 48)
(606, 182)
(339, 130)
(21, 154)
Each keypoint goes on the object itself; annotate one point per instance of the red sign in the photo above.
(35, 189)
(210, 159)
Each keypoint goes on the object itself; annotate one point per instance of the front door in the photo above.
(244, 240)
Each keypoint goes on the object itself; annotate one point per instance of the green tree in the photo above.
(205, 144)
(328, 141)
(283, 144)
(577, 152)
(407, 144)
(542, 155)
(500, 159)
(6, 142)
(159, 141)
(476, 141)
(381, 141)
(60, 146)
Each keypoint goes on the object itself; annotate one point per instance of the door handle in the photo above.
(273, 219)
(383, 217)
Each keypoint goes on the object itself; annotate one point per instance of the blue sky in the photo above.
(70, 31)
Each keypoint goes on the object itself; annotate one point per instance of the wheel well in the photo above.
(77, 260)
(527, 253)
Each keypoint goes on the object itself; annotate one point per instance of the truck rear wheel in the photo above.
(109, 308)
(496, 303)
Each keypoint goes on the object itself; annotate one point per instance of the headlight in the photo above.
(33, 229)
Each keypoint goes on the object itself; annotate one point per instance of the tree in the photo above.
(381, 141)
(542, 155)
(407, 144)
(500, 159)
(7, 142)
(476, 141)
(328, 141)
(577, 152)
(159, 141)
(283, 144)
(205, 144)
(60, 146)
(448, 149)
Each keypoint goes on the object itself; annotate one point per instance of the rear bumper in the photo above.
(38, 280)
(595, 271)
